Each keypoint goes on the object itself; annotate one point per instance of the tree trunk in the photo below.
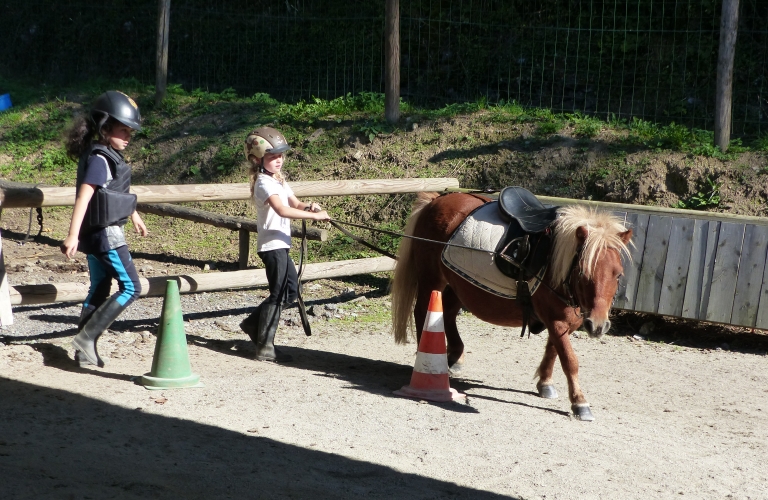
(161, 70)
(729, 23)
(392, 61)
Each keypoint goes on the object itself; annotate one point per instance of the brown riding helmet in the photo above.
(265, 140)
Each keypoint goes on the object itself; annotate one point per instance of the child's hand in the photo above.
(138, 224)
(321, 215)
(314, 207)
(69, 247)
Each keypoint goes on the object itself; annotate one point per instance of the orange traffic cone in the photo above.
(430, 372)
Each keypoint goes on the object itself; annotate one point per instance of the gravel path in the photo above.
(684, 415)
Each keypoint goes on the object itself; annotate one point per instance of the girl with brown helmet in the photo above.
(103, 205)
(275, 205)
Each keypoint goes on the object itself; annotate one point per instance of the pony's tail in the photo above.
(405, 282)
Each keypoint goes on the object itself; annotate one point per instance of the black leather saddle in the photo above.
(524, 248)
(523, 251)
(521, 205)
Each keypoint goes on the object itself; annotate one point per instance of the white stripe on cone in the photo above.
(434, 322)
(431, 363)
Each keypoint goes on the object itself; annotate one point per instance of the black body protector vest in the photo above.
(111, 205)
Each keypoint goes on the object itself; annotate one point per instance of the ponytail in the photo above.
(79, 137)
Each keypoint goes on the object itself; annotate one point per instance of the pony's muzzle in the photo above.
(597, 329)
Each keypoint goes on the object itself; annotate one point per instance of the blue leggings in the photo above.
(104, 267)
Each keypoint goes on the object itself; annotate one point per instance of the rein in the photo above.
(335, 223)
(570, 299)
(300, 286)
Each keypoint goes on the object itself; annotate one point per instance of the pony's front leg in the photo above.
(546, 369)
(570, 364)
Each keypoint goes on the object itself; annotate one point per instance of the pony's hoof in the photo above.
(582, 412)
(455, 369)
(547, 391)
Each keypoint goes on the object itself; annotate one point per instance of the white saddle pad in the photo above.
(481, 231)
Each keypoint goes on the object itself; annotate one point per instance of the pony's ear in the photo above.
(626, 236)
(581, 234)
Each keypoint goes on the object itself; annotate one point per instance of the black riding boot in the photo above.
(250, 324)
(265, 335)
(85, 341)
(85, 315)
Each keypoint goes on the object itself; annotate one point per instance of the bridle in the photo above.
(570, 299)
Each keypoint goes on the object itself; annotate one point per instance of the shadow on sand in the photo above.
(55, 444)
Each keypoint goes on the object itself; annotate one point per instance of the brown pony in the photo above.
(584, 269)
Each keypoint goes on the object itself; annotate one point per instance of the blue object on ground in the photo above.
(5, 102)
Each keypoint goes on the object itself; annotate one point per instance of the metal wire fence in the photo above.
(648, 59)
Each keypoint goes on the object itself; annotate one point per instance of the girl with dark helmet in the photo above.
(102, 207)
(275, 205)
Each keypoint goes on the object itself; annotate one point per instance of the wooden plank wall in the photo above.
(698, 269)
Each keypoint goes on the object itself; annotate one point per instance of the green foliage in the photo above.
(505, 112)
(549, 127)
(585, 126)
(228, 157)
(707, 196)
(371, 129)
(761, 143)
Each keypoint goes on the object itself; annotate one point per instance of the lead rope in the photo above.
(300, 286)
(570, 302)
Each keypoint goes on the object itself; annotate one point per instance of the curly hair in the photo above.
(82, 133)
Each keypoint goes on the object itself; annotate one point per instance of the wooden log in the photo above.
(220, 220)
(729, 27)
(29, 195)
(392, 61)
(161, 58)
(195, 283)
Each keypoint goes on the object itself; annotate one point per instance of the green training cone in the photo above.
(170, 365)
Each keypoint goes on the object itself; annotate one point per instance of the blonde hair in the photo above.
(604, 231)
(255, 170)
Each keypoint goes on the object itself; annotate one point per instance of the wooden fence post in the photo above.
(6, 313)
(245, 248)
(392, 61)
(729, 23)
(161, 70)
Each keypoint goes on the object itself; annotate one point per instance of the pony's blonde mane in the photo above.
(603, 232)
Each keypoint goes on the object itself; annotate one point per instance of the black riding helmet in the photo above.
(117, 105)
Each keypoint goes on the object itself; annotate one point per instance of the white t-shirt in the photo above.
(274, 231)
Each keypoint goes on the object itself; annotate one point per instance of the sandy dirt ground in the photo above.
(671, 421)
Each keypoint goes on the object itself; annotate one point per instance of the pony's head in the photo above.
(587, 258)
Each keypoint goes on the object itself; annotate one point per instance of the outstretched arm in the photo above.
(290, 212)
(84, 195)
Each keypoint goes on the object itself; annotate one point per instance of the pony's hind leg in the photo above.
(455, 347)
(451, 306)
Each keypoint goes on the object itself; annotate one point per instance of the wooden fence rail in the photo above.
(194, 283)
(19, 195)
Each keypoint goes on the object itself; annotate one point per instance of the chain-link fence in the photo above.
(650, 59)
